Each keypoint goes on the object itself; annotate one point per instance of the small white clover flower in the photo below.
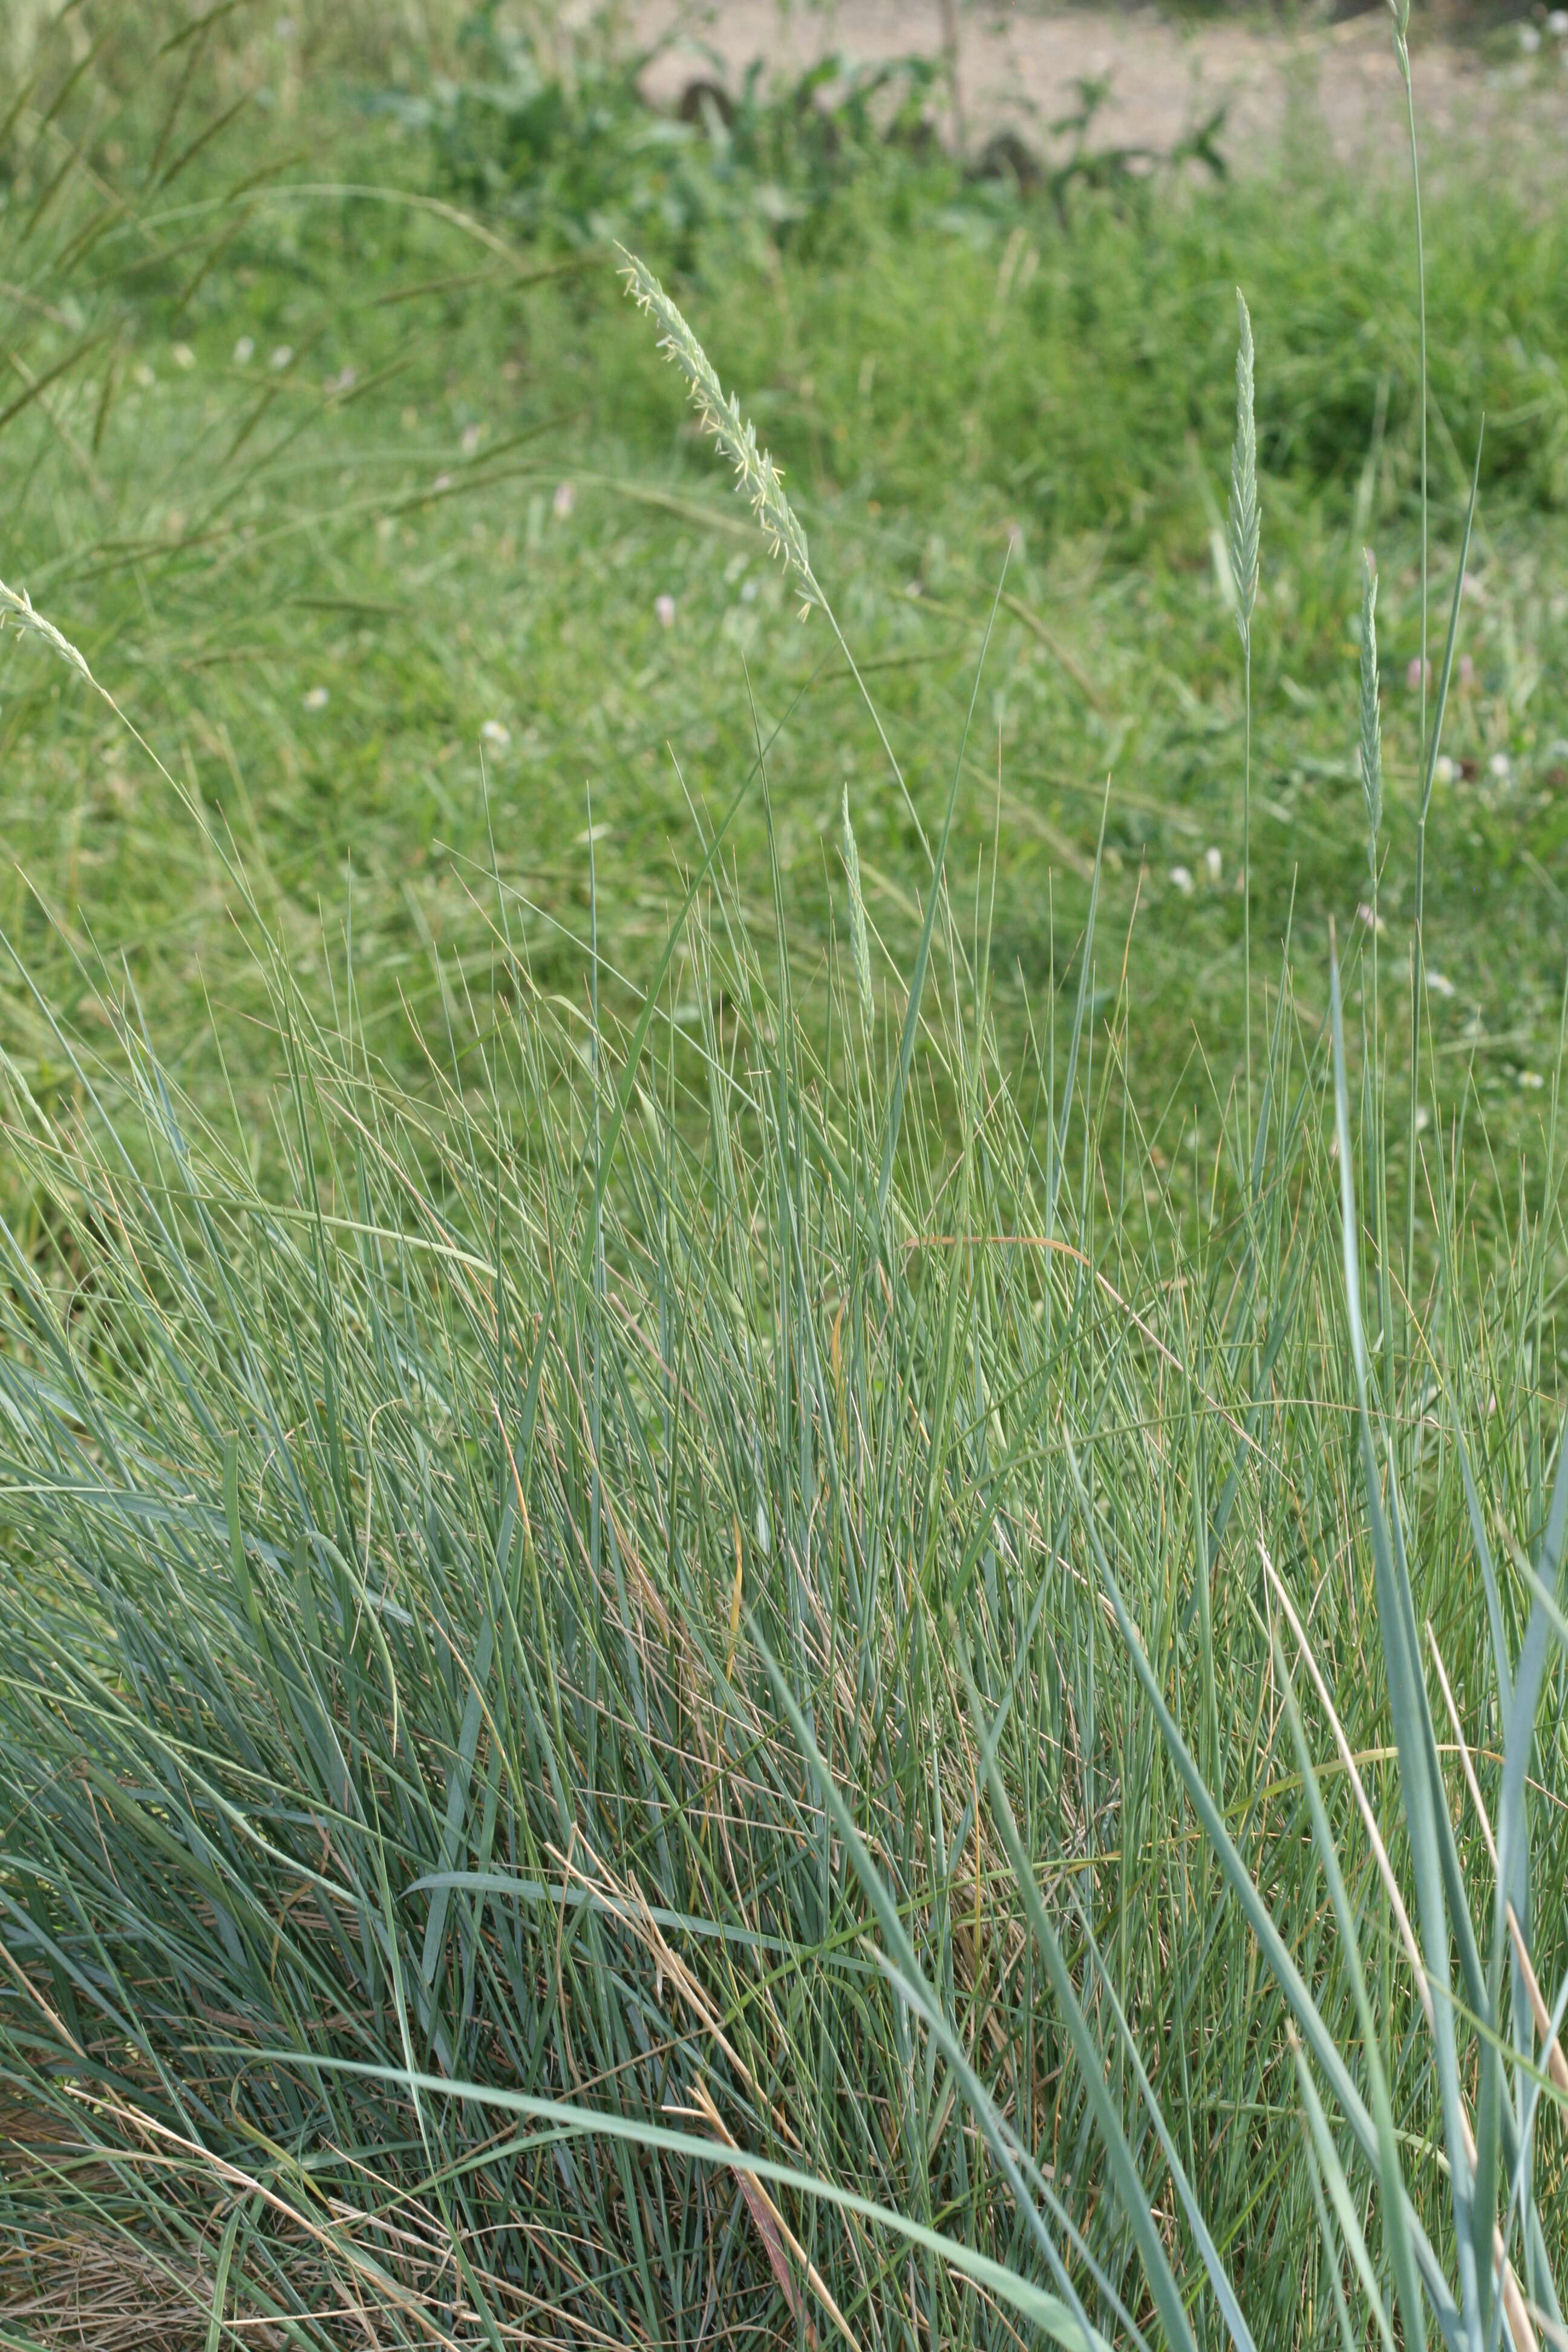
(495, 731)
(1182, 880)
(317, 698)
(664, 606)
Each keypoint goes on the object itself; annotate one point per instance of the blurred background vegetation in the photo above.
(327, 435)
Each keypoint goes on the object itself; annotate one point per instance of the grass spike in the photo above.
(758, 478)
(1245, 529)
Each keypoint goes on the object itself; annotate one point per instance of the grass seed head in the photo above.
(757, 476)
(18, 608)
(1244, 522)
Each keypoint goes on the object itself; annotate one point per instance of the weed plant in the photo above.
(718, 1675)
(547, 125)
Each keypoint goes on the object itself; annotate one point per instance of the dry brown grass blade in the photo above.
(1557, 2065)
(154, 2147)
(1471, 1783)
(1513, 2300)
(102, 2293)
(774, 2232)
(626, 1900)
(1059, 1248)
(735, 1607)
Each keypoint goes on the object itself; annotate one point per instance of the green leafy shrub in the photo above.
(556, 135)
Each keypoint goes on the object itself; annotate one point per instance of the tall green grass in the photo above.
(715, 1674)
(256, 535)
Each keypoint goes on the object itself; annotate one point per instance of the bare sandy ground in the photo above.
(1019, 67)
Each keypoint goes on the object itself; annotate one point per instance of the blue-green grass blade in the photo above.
(1129, 2190)
(1213, 2262)
(1441, 705)
(1330, 2243)
(1287, 1974)
(535, 1892)
(1390, 2173)
(1545, 1620)
(935, 900)
(905, 1961)
(1044, 2310)
(1419, 1778)
(244, 2214)
(1500, 1663)
(1333, 2172)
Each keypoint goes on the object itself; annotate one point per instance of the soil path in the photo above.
(1019, 67)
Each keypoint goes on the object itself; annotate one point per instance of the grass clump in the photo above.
(703, 1655)
(645, 1700)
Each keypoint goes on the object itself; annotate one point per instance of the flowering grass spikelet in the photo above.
(1244, 523)
(19, 609)
(858, 942)
(1400, 12)
(757, 476)
(1371, 722)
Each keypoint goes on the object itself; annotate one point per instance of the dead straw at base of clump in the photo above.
(107, 2294)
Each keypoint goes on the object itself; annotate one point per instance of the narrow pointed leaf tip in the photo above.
(858, 939)
(1244, 519)
(757, 476)
(1370, 721)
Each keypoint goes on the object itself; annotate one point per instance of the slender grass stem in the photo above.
(1417, 962)
(1247, 871)
(1245, 533)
